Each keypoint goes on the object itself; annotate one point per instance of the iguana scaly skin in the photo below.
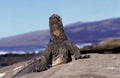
(58, 50)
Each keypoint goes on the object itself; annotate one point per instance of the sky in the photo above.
(22, 16)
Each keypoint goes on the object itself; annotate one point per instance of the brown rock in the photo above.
(98, 66)
(107, 46)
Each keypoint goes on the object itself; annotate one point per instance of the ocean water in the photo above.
(20, 50)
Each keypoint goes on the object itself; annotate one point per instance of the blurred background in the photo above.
(24, 23)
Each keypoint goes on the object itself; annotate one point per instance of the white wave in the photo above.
(22, 52)
(84, 44)
(4, 52)
(18, 52)
(13, 52)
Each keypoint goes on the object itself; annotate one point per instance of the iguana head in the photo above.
(56, 28)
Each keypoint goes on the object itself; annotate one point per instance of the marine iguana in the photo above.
(58, 50)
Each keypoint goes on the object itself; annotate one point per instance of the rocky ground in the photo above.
(98, 66)
(9, 59)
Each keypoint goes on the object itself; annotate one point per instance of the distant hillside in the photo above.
(94, 31)
(37, 38)
(78, 33)
(25, 42)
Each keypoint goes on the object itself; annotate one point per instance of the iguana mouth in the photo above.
(57, 32)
